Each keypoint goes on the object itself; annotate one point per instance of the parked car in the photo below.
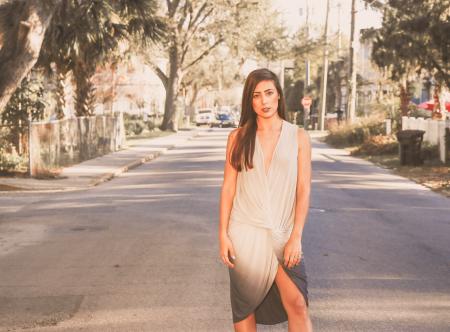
(205, 116)
(235, 117)
(224, 120)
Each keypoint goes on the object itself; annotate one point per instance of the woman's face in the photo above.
(265, 99)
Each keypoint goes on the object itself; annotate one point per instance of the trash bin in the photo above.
(410, 142)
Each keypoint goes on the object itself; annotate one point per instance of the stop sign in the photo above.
(306, 101)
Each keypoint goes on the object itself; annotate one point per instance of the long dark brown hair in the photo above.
(244, 144)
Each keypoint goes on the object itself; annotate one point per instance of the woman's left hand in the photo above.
(292, 252)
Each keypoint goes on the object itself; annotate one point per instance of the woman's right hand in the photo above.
(227, 251)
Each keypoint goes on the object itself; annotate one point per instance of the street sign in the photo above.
(306, 101)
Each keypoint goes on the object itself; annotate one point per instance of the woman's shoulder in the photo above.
(303, 137)
(295, 129)
(232, 135)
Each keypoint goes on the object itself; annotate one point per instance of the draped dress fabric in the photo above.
(261, 221)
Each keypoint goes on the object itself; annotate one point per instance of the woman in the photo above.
(263, 208)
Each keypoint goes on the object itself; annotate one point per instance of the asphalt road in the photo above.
(139, 253)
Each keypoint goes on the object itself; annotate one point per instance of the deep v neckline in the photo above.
(273, 152)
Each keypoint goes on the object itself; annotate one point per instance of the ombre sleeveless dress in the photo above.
(261, 222)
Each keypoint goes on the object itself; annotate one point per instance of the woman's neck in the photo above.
(269, 124)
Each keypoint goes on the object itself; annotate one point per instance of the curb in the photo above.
(109, 176)
(103, 177)
(152, 156)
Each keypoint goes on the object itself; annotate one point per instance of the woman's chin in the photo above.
(266, 115)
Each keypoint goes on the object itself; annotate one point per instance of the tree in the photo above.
(83, 35)
(306, 49)
(195, 29)
(22, 28)
(26, 102)
(413, 39)
(189, 22)
(221, 69)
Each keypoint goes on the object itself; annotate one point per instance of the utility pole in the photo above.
(339, 31)
(351, 107)
(307, 62)
(323, 99)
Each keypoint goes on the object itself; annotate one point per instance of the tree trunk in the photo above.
(194, 94)
(170, 111)
(60, 94)
(22, 44)
(84, 90)
(404, 99)
(437, 114)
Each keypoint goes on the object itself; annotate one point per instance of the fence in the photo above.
(62, 143)
(436, 132)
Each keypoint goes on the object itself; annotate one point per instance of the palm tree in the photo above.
(82, 35)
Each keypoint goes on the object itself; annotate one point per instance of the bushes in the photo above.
(350, 135)
(9, 159)
(377, 145)
(135, 125)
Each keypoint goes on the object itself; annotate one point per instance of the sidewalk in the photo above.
(95, 171)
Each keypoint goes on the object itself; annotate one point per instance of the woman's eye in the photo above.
(269, 93)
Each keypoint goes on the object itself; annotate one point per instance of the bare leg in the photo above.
(246, 325)
(293, 302)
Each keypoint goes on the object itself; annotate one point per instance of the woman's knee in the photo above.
(248, 324)
(297, 306)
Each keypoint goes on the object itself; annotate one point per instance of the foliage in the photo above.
(268, 41)
(303, 48)
(85, 34)
(10, 160)
(151, 125)
(196, 29)
(355, 134)
(134, 125)
(416, 112)
(377, 145)
(27, 102)
(430, 153)
(414, 38)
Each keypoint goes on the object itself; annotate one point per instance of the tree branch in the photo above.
(439, 68)
(184, 51)
(172, 7)
(193, 28)
(162, 76)
(196, 25)
(205, 53)
(197, 16)
(183, 18)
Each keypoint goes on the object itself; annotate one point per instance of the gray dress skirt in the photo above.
(260, 224)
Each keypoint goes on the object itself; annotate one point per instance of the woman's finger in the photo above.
(226, 260)
(290, 263)
(286, 260)
(295, 260)
(232, 253)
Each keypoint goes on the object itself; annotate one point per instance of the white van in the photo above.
(205, 116)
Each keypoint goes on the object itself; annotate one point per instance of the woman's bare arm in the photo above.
(303, 183)
(226, 202)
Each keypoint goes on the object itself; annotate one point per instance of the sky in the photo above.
(294, 14)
